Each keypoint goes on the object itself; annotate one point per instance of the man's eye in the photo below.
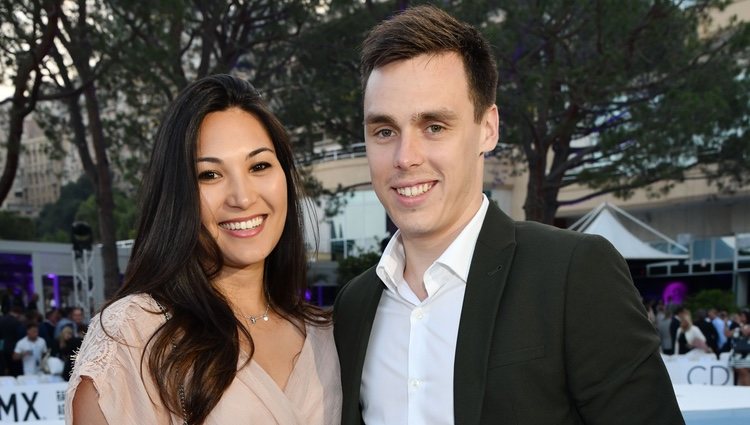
(386, 132)
(435, 128)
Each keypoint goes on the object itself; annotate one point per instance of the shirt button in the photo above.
(414, 383)
(419, 314)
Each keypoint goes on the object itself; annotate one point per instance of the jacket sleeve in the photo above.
(615, 372)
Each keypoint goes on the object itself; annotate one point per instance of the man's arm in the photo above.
(616, 374)
(18, 351)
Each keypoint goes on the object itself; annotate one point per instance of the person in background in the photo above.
(71, 316)
(30, 350)
(688, 336)
(709, 331)
(471, 317)
(663, 322)
(12, 330)
(740, 359)
(47, 328)
(674, 326)
(211, 324)
(33, 303)
(64, 348)
(720, 326)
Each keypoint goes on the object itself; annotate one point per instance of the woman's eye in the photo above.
(261, 166)
(208, 175)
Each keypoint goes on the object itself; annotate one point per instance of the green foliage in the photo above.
(77, 202)
(15, 227)
(651, 95)
(125, 215)
(607, 94)
(711, 298)
(353, 265)
(322, 97)
(55, 220)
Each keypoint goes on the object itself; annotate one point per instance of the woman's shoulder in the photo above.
(320, 335)
(132, 312)
(123, 325)
(130, 320)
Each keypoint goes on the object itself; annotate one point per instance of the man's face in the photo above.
(32, 333)
(77, 315)
(424, 146)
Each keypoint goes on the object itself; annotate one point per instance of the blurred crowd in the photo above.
(709, 331)
(36, 344)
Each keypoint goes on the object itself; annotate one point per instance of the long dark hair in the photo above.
(174, 258)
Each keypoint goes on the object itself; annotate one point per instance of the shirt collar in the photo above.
(457, 257)
(459, 253)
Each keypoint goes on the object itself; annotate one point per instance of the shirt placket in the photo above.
(419, 364)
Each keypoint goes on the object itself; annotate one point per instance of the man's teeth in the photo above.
(243, 225)
(414, 190)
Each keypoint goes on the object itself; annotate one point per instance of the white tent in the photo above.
(603, 220)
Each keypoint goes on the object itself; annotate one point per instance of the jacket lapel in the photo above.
(367, 300)
(489, 270)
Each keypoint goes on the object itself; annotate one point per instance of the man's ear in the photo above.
(490, 129)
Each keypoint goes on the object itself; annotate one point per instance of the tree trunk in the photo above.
(22, 104)
(541, 199)
(15, 132)
(104, 198)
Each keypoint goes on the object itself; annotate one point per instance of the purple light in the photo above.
(308, 295)
(52, 276)
(674, 293)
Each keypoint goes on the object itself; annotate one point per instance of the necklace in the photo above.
(263, 316)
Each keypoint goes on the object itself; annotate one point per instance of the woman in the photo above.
(740, 359)
(210, 325)
(64, 348)
(689, 337)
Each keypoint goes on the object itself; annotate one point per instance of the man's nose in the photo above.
(409, 152)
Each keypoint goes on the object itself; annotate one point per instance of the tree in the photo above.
(15, 227)
(608, 94)
(619, 95)
(125, 214)
(354, 265)
(711, 298)
(55, 220)
(114, 65)
(26, 42)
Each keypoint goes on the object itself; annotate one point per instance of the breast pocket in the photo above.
(506, 358)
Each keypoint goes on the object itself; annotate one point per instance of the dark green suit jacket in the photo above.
(552, 332)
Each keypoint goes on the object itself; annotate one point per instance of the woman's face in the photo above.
(242, 187)
(67, 333)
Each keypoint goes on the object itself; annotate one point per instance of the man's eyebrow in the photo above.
(249, 155)
(379, 119)
(444, 115)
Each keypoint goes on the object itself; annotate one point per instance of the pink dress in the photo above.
(312, 395)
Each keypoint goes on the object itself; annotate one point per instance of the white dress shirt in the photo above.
(407, 376)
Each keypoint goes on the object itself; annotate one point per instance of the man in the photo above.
(674, 325)
(71, 317)
(703, 322)
(11, 331)
(719, 325)
(470, 318)
(30, 350)
(47, 328)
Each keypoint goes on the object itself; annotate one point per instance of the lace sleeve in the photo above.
(111, 355)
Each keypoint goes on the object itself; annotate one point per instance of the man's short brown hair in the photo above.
(428, 30)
